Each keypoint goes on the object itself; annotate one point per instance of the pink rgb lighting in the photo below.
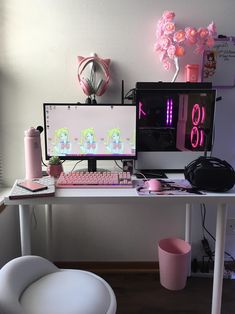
(169, 111)
(197, 136)
(196, 114)
(202, 136)
(141, 111)
(203, 115)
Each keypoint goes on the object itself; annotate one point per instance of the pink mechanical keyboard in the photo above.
(97, 179)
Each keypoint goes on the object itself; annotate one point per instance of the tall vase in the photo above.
(177, 69)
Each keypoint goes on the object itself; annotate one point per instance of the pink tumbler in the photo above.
(32, 146)
(191, 72)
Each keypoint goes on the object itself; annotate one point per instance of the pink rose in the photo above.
(166, 65)
(156, 47)
(171, 51)
(162, 55)
(164, 42)
(191, 34)
(168, 15)
(169, 28)
(203, 32)
(159, 33)
(179, 51)
(171, 44)
(199, 48)
(210, 42)
(179, 36)
(160, 24)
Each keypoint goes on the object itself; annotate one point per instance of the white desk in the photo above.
(118, 196)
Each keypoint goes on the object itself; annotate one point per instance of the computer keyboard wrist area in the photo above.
(113, 179)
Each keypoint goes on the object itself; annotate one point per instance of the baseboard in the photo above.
(110, 266)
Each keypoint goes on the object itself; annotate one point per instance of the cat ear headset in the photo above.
(89, 85)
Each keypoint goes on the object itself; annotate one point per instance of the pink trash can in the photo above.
(174, 257)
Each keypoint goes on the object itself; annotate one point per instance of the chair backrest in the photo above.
(16, 275)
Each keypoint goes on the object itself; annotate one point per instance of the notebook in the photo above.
(18, 192)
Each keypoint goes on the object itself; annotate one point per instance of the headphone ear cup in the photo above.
(101, 87)
(87, 87)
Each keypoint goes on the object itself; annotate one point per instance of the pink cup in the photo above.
(191, 72)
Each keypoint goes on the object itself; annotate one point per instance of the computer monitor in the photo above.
(90, 132)
(176, 122)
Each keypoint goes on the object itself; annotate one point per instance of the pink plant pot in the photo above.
(54, 170)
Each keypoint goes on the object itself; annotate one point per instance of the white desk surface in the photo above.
(114, 195)
(3, 193)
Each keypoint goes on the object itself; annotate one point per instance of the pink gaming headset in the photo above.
(86, 83)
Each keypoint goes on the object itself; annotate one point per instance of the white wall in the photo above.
(40, 41)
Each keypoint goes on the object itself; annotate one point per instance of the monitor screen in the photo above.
(175, 125)
(90, 131)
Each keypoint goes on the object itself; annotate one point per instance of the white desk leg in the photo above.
(188, 230)
(219, 258)
(25, 229)
(188, 223)
(48, 220)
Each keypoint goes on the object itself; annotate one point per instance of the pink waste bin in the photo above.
(174, 256)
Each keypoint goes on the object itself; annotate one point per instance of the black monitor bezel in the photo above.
(90, 158)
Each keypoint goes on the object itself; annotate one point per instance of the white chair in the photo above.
(33, 285)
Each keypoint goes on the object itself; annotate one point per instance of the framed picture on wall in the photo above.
(218, 64)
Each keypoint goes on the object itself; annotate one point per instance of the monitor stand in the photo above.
(91, 165)
(151, 173)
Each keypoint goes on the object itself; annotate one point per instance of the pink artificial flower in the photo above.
(162, 55)
(171, 51)
(168, 15)
(199, 48)
(156, 46)
(160, 24)
(212, 28)
(166, 65)
(179, 51)
(159, 33)
(191, 34)
(171, 43)
(164, 42)
(203, 32)
(179, 36)
(210, 42)
(169, 28)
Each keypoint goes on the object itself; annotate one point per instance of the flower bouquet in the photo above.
(171, 43)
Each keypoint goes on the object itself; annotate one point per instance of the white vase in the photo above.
(177, 69)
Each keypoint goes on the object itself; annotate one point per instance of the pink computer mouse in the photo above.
(154, 185)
